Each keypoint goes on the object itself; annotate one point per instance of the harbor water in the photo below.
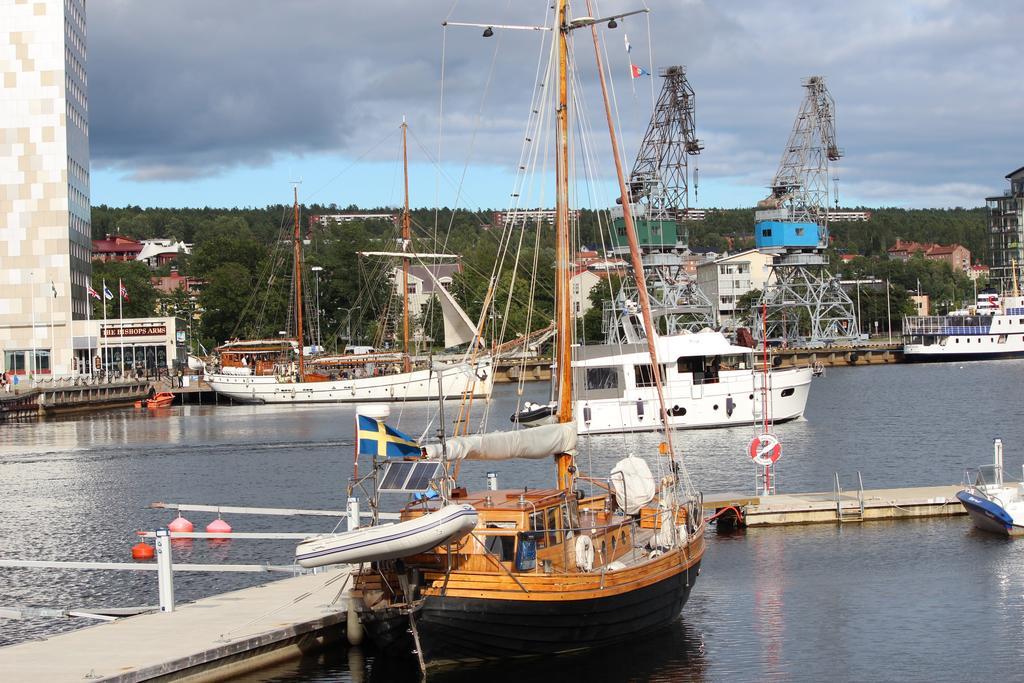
(918, 600)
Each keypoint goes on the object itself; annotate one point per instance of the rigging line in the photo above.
(476, 128)
(641, 284)
(346, 169)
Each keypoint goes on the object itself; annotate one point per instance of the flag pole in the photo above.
(120, 320)
(103, 355)
(32, 299)
(88, 325)
(53, 337)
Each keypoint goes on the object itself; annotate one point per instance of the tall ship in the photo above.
(992, 328)
(280, 371)
(592, 560)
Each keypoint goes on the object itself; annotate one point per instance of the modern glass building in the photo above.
(45, 232)
(1006, 234)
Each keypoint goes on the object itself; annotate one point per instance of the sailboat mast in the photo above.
(406, 238)
(634, 248)
(297, 270)
(563, 314)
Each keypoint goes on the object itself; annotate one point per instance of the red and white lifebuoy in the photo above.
(765, 449)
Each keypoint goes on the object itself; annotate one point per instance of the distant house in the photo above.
(168, 284)
(116, 248)
(958, 257)
(726, 279)
(159, 252)
(978, 271)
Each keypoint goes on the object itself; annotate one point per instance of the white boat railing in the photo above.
(947, 324)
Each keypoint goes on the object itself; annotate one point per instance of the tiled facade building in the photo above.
(45, 233)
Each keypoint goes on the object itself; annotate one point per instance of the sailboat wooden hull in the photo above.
(418, 385)
(459, 627)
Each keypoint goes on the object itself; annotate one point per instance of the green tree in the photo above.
(223, 299)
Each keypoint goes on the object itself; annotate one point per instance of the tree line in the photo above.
(244, 258)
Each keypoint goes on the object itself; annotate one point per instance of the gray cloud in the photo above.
(927, 98)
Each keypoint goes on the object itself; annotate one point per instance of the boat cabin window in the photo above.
(602, 378)
(570, 517)
(554, 528)
(503, 547)
(537, 524)
(644, 375)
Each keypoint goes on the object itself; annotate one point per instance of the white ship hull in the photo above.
(708, 382)
(418, 385)
(733, 401)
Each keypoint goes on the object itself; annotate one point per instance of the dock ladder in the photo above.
(848, 510)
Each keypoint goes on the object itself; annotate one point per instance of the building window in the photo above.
(18, 362)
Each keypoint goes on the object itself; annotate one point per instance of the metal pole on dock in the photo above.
(165, 572)
(997, 447)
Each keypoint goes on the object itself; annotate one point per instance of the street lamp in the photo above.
(348, 315)
(317, 269)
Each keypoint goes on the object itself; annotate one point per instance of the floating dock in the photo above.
(210, 639)
(837, 506)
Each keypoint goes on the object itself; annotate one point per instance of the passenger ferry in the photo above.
(992, 328)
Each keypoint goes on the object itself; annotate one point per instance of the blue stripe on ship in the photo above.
(384, 539)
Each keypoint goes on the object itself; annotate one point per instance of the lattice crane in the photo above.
(659, 187)
(803, 301)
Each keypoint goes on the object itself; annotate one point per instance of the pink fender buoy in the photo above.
(180, 525)
(142, 551)
(218, 526)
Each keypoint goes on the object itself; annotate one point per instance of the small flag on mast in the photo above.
(107, 294)
(629, 48)
(638, 71)
(53, 288)
(92, 292)
(124, 291)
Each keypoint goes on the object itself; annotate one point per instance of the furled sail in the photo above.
(539, 442)
(458, 328)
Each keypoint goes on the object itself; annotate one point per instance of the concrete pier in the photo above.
(210, 639)
(843, 507)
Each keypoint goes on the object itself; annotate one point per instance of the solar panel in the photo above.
(408, 476)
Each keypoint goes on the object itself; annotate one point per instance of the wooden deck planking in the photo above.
(208, 639)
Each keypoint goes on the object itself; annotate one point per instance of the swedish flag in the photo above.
(376, 438)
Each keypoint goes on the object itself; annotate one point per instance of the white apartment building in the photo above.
(728, 278)
(45, 233)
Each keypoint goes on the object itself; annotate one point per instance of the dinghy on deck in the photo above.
(388, 541)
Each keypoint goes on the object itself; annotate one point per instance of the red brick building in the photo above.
(958, 257)
(116, 248)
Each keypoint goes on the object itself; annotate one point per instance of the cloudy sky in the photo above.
(222, 103)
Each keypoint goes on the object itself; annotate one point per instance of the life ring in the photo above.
(765, 449)
(584, 553)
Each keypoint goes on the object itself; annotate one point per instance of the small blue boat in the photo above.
(997, 507)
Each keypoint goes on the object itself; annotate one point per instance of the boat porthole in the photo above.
(623, 537)
(751, 397)
(613, 543)
(715, 406)
(604, 548)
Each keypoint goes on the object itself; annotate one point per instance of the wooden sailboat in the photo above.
(547, 570)
(277, 370)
